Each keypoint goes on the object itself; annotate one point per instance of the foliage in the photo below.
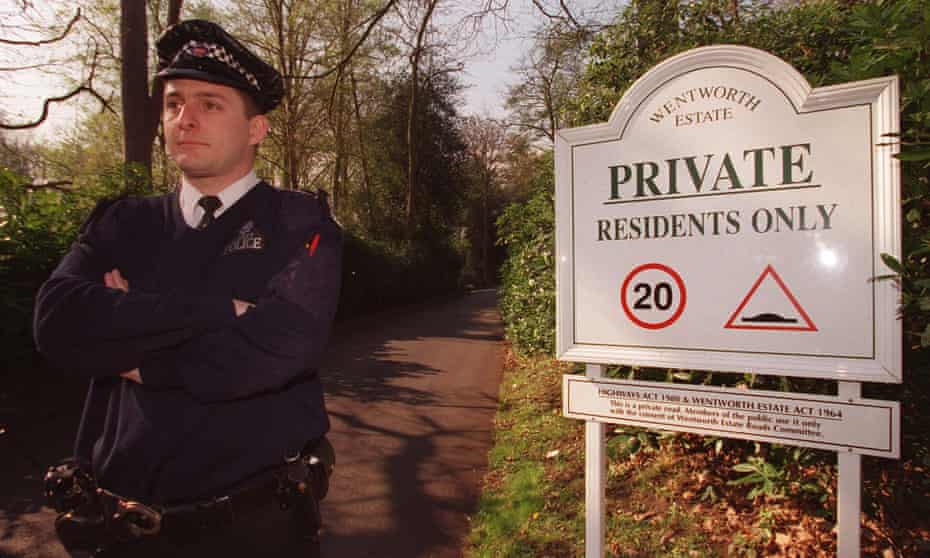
(527, 293)
(811, 36)
(894, 38)
(37, 227)
(772, 479)
(375, 276)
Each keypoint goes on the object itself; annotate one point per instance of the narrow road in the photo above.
(412, 399)
(411, 394)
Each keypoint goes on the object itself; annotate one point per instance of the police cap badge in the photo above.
(202, 50)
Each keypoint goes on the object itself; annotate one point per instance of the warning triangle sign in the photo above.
(770, 305)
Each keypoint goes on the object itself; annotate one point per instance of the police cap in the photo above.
(202, 50)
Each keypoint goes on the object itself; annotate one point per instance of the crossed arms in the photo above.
(115, 280)
(213, 348)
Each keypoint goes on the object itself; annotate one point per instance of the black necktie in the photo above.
(209, 204)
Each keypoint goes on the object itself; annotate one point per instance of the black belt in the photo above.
(108, 518)
(304, 477)
(140, 519)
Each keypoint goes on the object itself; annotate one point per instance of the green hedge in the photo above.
(374, 276)
(527, 292)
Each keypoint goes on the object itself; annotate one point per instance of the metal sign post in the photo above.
(849, 489)
(595, 481)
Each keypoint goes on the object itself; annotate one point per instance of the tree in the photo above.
(317, 48)
(141, 107)
(412, 144)
(485, 141)
(548, 76)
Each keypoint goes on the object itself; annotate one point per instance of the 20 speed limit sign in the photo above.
(653, 296)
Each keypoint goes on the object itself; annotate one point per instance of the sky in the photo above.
(487, 68)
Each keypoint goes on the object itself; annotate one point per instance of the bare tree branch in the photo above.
(540, 129)
(18, 68)
(568, 14)
(564, 14)
(58, 185)
(373, 21)
(539, 6)
(45, 105)
(77, 16)
(86, 87)
(105, 35)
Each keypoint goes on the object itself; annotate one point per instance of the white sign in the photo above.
(729, 217)
(862, 426)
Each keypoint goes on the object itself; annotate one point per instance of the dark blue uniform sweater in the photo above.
(222, 397)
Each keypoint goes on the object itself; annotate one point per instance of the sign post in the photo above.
(849, 491)
(595, 485)
(728, 217)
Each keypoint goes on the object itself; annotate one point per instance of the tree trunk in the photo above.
(141, 111)
(137, 129)
(292, 169)
(485, 280)
(338, 111)
(412, 140)
(362, 155)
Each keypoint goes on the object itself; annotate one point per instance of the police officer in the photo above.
(198, 318)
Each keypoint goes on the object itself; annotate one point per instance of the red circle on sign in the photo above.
(681, 287)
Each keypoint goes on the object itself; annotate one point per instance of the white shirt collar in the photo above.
(190, 195)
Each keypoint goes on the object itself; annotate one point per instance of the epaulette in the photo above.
(98, 210)
(298, 208)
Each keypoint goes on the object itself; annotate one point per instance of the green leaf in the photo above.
(914, 155)
(885, 277)
(892, 263)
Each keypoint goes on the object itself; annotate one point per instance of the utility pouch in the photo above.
(305, 481)
(321, 461)
(72, 492)
(68, 487)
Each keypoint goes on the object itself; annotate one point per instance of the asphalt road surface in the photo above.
(411, 394)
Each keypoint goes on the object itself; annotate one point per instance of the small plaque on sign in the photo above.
(863, 426)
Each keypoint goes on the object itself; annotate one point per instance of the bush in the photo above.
(37, 227)
(374, 276)
(527, 292)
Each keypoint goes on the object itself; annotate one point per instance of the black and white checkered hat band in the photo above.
(199, 49)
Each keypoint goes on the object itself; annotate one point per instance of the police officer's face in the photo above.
(208, 133)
